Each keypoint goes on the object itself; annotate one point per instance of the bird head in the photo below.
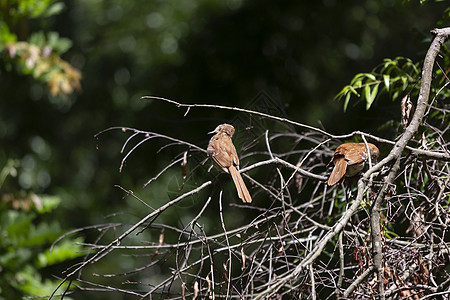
(225, 128)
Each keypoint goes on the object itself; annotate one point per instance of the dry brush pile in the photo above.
(384, 236)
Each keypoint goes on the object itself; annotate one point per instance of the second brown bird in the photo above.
(349, 159)
(223, 152)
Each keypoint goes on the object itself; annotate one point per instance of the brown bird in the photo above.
(223, 152)
(349, 160)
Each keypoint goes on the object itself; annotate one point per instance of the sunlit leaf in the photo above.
(67, 249)
(30, 281)
(358, 77)
(367, 92)
(347, 99)
(371, 76)
(6, 36)
(54, 9)
(49, 203)
(386, 81)
(372, 95)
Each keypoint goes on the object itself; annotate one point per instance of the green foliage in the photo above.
(10, 169)
(395, 76)
(26, 228)
(30, 282)
(50, 39)
(67, 249)
(5, 35)
(38, 55)
(445, 16)
(27, 232)
(31, 9)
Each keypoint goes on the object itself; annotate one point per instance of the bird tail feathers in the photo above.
(340, 167)
(240, 185)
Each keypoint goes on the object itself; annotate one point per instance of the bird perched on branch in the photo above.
(349, 159)
(223, 152)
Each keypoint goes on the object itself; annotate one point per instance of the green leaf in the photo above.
(395, 95)
(10, 169)
(68, 249)
(15, 257)
(347, 91)
(33, 8)
(30, 282)
(57, 43)
(405, 82)
(371, 76)
(386, 81)
(347, 99)
(43, 233)
(54, 9)
(341, 93)
(37, 38)
(6, 36)
(358, 77)
(62, 45)
(354, 91)
(367, 92)
(48, 203)
(18, 224)
(372, 96)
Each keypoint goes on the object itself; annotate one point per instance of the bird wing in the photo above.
(223, 152)
(354, 153)
(340, 167)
